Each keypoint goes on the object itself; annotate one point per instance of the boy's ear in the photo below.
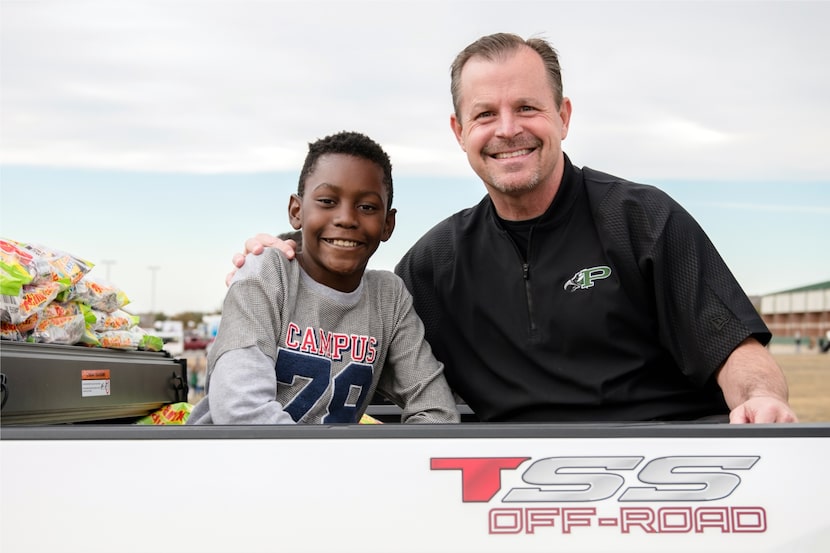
(389, 226)
(295, 210)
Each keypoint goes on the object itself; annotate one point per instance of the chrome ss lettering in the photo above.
(585, 479)
(573, 479)
(689, 478)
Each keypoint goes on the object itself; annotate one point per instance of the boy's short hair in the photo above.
(349, 143)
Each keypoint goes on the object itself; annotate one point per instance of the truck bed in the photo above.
(417, 488)
(51, 383)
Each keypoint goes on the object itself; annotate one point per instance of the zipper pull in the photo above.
(525, 271)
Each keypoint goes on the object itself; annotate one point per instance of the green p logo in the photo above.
(584, 279)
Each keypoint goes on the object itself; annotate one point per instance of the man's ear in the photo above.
(390, 225)
(455, 125)
(565, 114)
(295, 211)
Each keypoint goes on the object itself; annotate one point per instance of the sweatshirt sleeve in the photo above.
(702, 314)
(412, 377)
(242, 389)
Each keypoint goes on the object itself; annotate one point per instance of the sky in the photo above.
(152, 138)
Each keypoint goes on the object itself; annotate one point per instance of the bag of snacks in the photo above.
(60, 330)
(32, 299)
(174, 413)
(117, 320)
(98, 295)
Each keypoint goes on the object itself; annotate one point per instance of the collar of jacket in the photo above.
(558, 210)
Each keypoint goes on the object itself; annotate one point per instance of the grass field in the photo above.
(808, 376)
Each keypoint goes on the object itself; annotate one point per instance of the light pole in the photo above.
(153, 269)
(108, 263)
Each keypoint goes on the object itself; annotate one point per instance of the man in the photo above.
(572, 295)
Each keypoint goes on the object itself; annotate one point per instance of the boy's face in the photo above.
(343, 217)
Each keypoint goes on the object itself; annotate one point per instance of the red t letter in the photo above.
(480, 477)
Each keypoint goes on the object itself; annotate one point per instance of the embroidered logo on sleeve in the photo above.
(586, 278)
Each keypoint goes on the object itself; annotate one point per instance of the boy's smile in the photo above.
(343, 216)
(342, 243)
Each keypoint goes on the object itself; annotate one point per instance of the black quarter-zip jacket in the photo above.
(622, 310)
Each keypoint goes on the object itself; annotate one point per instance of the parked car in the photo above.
(196, 342)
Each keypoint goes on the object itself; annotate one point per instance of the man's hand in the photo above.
(256, 246)
(754, 386)
(761, 410)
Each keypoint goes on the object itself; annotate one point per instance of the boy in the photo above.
(310, 342)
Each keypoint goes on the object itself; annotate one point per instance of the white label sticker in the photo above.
(91, 388)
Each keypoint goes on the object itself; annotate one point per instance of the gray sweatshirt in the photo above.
(290, 349)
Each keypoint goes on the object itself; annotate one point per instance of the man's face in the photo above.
(509, 124)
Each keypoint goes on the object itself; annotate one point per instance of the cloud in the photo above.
(685, 132)
(769, 208)
(195, 117)
(671, 89)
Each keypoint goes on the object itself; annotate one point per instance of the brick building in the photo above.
(803, 312)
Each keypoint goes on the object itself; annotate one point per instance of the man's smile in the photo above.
(516, 153)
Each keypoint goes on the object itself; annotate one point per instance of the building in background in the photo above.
(801, 313)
